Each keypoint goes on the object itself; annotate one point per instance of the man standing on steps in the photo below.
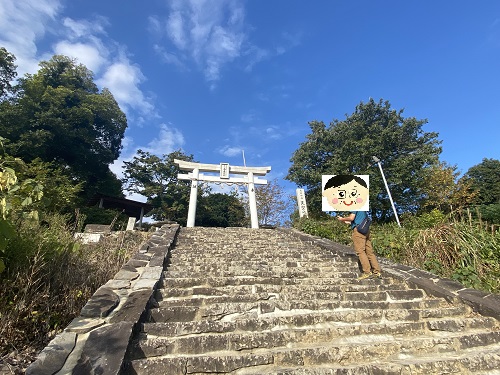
(363, 246)
(347, 192)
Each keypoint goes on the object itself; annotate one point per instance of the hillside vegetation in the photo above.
(457, 247)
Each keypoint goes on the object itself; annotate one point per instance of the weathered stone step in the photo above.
(388, 295)
(354, 351)
(256, 264)
(468, 362)
(325, 334)
(279, 272)
(232, 310)
(209, 281)
(296, 318)
(164, 293)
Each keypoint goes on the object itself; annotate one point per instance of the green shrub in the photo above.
(331, 229)
(463, 250)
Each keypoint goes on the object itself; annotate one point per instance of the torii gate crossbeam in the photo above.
(224, 170)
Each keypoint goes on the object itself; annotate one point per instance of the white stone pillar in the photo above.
(252, 202)
(193, 198)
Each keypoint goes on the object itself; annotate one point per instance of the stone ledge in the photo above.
(484, 303)
(96, 341)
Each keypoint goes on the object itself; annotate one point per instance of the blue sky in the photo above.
(215, 77)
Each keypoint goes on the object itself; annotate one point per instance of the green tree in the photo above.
(59, 116)
(485, 180)
(7, 72)
(156, 179)
(347, 147)
(220, 210)
(444, 190)
(60, 191)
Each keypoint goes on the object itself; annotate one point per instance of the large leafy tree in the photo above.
(7, 71)
(485, 180)
(59, 116)
(347, 147)
(444, 190)
(156, 178)
(220, 210)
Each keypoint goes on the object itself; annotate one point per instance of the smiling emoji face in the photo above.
(346, 193)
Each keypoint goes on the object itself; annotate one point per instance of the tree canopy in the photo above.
(347, 147)
(485, 178)
(7, 71)
(220, 210)
(156, 178)
(59, 116)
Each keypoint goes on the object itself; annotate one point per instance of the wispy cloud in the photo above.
(123, 79)
(230, 151)
(24, 23)
(210, 33)
(21, 24)
(168, 140)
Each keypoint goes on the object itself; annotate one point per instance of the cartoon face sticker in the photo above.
(345, 193)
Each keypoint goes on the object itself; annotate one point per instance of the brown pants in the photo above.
(364, 251)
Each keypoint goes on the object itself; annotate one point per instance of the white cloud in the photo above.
(21, 24)
(249, 117)
(84, 28)
(230, 151)
(169, 139)
(123, 79)
(210, 33)
(86, 54)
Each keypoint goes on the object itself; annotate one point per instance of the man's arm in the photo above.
(346, 219)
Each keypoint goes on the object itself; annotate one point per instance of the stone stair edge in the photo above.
(484, 303)
(111, 314)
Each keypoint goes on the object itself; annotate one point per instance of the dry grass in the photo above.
(38, 300)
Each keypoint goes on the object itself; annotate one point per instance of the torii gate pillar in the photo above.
(193, 197)
(224, 176)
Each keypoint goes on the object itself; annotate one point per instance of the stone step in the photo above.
(279, 272)
(468, 362)
(225, 311)
(244, 301)
(333, 333)
(164, 293)
(386, 295)
(288, 262)
(209, 281)
(477, 351)
(445, 318)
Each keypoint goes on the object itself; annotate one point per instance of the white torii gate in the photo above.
(224, 170)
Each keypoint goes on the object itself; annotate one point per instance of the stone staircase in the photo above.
(247, 301)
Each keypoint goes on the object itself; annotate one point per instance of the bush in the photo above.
(331, 229)
(50, 277)
(465, 251)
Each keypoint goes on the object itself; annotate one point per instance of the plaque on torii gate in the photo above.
(249, 177)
